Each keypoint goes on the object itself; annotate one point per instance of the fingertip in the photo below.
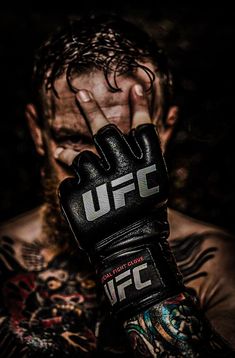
(91, 110)
(140, 106)
(83, 96)
(138, 89)
(57, 152)
(139, 98)
(64, 155)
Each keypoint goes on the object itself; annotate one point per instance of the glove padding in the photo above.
(116, 208)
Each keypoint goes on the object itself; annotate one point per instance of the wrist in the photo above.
(137, 277)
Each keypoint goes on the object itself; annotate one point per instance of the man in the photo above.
(91, 73)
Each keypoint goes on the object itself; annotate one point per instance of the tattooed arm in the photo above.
(179, 326)
(175, 328)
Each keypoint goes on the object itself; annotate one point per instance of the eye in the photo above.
(69, 139)
(74, 139)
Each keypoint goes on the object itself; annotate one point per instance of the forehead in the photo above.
(64, 111)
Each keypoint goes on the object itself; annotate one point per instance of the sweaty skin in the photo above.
(51, 301)
(50, 305)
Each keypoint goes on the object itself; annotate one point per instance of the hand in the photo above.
(116, 208)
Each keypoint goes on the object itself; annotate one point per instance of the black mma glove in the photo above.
(116, 208)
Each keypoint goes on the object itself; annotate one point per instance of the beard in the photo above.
(55, 229)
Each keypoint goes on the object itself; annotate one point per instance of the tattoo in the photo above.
(52, 309)
(191, 256)
(12, 253)
(175, 328)
(46, 308)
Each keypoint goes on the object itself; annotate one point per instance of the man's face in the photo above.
(66, 125)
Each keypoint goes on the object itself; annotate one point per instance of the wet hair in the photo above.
(103, 42)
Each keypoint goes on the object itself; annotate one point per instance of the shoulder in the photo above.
(182, 226)
(190, 236)
(205, 255)
(19, 243)
(187, 231)
(25, 227)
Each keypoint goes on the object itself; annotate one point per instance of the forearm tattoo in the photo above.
(175, 328)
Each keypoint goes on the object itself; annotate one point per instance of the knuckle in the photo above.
(141, 115)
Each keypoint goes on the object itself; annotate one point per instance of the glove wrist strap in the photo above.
(136, 278)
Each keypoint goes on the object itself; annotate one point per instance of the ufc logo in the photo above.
(118, 193)
(116, 290)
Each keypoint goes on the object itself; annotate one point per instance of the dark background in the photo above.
(200, 45)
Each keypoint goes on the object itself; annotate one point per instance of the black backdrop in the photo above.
(200, 45)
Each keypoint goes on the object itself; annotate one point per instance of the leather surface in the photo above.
(119, 156)
(116, 208)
